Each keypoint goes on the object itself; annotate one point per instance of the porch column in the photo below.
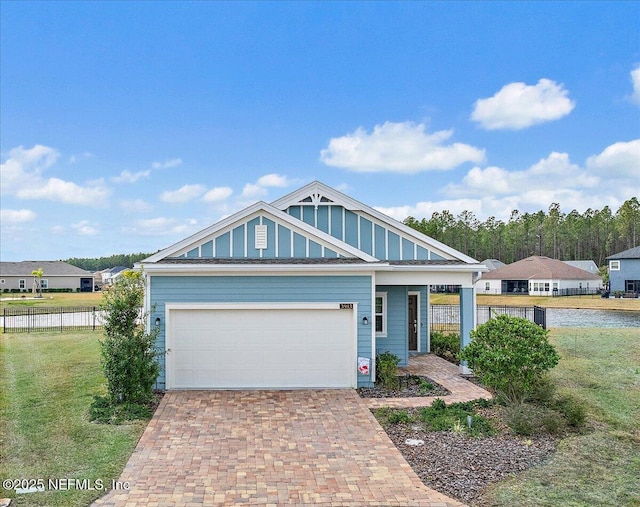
(467, 321)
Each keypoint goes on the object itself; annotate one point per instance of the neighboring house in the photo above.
(109, 276)
(538, 276)
(299, 293)
(624, 271)
(493, 264)
(589, 266)
(17, 277)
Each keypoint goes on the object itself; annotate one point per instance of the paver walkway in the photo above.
(303, 447)
(444, 373)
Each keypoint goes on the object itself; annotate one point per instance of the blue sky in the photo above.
(126, 126)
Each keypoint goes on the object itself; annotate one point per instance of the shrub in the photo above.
(509, 355)
(128, 354)
(572, 409)
(440, 417)
(387, 370)
(399, 416)
(446, 346)
(527, 419)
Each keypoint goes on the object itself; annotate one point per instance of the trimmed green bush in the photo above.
(398, 417)
(387, 370)
(446, 346)
(509, 355)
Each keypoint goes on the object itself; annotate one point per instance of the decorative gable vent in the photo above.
(315, 199)
(261, 237)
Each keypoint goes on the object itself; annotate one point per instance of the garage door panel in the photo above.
(275, 348)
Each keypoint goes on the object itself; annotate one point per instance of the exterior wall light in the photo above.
(365, 321)
(157, 321)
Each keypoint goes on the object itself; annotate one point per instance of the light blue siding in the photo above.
(308, 215)
(629, 270)
(423, 254)
(328, 253)
(193, 253)
(397, 339)
(336, 222)
(217, 289)
(407, 250)
(206, 250)
(380, 242)
(295, 211)
(436, 257)
(238, 242)
(223, 245)
(270, 251)
(315, 250)
(284, 242)
(366, 236)
(323, 219)
(394, 247)
(351, 228)
(299, 246)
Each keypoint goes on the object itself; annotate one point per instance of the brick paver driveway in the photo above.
(268, 447)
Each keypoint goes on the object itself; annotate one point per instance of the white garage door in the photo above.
(260, 346)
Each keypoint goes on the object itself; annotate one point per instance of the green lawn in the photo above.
(47, 381)
(56, 299)
(602, 466)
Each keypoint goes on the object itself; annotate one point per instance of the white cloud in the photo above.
(274, 180)
(21, 176)
(517, 106)
(635, 81)
(74, 159)
(161, 226)
(136, 205)
(398, 147)
(618, 160)
(129, 177)
(251, 190)
(84, 228)
(217, 194)
(16, 216)
(183, 194)
(166, 164)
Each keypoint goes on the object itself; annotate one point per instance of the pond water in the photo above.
(565, 317)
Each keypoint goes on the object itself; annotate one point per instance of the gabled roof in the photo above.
(539, 268)
(49, 268)
(493, 264)
(318, 193)
(261, 206)
(632, 253)
(589, 266)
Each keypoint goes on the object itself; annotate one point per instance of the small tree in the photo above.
(509, 354)
(129, 357)
(37, 277)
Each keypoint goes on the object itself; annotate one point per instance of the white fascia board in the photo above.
(261, 206)
(262, 269)
(293, 199)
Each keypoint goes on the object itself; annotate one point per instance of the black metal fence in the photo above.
(32, 319)
(446, 318)
(575, 292)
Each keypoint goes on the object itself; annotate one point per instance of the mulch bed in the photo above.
(410, 386)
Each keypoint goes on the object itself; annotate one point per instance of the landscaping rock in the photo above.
(410, 386)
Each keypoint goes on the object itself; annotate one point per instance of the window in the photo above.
(21, 283)
(614, 265)
(44, 283)
(381, 314)
(546, 286)
(535, 287)
(487, 285)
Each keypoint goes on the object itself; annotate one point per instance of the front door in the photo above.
(412, 325)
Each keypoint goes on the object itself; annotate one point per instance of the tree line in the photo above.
(592, 235)
(98, 264)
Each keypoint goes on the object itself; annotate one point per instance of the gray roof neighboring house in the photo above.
(539, 268)
(589, 266)
(493, 264)
(49, 268)
(632, 253)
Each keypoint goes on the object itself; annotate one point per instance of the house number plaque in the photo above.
(346, 306)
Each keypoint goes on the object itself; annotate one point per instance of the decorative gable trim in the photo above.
(319, 194)
(230, 222)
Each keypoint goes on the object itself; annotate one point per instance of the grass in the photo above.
(583, 302)
(601, 467)
(56, 299)
(47, 383)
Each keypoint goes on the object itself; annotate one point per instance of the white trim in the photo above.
(428, 308)
(615, 263)
(372, 369)
(419, 321)
(383, 333)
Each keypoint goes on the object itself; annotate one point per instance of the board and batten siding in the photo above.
(356, 229)
(260, 289)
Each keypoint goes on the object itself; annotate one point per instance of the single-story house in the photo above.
(299, 293)
(624, 271)
(538, 276)
(17, 277)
